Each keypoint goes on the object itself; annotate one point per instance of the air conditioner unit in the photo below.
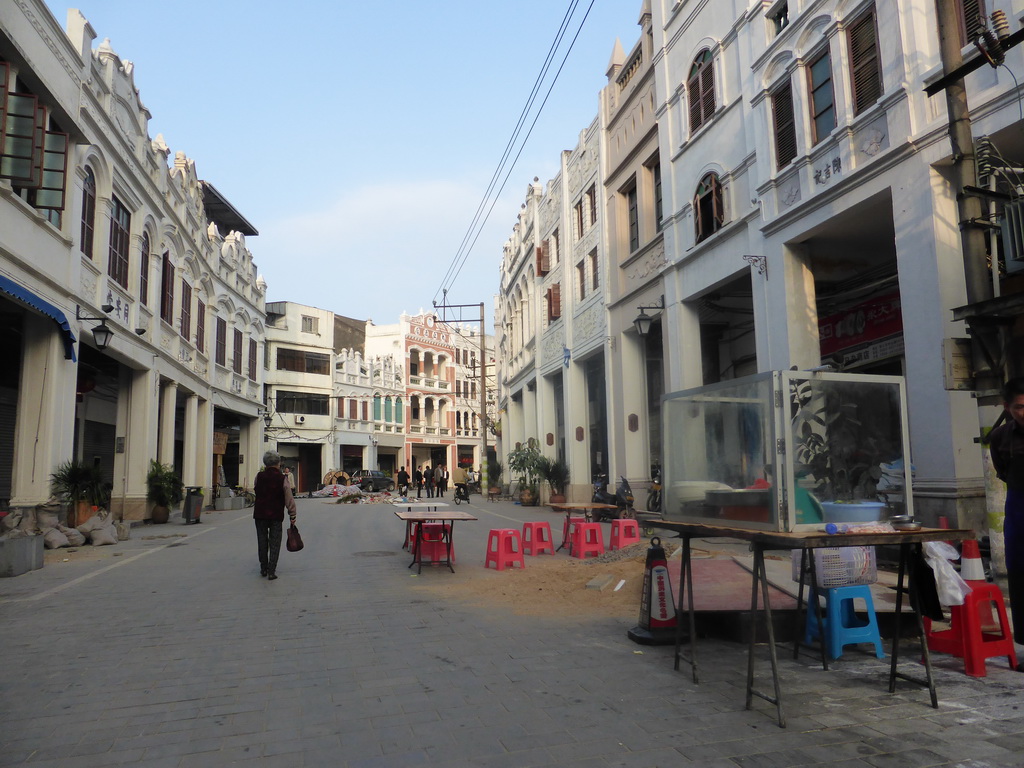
(300, 419)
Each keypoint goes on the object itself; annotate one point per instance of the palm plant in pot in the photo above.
(838, 452)
(495, 469)
(556, 473)
(526, 461)
(80, 486)
(164, 488)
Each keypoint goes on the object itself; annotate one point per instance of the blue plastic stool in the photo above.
(842, 626)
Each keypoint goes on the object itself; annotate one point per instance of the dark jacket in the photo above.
(271, 496)
(1007, 445)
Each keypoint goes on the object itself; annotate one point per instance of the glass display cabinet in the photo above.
(787, 451)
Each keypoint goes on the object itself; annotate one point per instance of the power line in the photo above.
(477, 224)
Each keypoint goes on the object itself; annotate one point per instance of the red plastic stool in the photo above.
(504, 547)
(624, 533)
(567, 530)
(965, 638)
(434, 541)
(587, 539)
(537, 538)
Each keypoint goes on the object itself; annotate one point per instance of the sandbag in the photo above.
(75, 537)
(46, 519)
(54, 539)
(104, 535)
(92, 523)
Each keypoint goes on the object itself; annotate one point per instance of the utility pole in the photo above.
(483, 380)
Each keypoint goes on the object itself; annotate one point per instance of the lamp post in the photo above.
(643, 320)
(102, 333)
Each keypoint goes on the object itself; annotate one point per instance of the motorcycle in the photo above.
(654, 496)
(461, 493)
(622, 499)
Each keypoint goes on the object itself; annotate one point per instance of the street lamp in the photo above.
(643, 320)
(101, 334)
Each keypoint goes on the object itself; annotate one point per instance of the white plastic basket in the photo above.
(839, 566)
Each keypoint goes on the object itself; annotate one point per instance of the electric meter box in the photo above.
(787, 451)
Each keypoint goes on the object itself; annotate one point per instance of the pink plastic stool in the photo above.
(504, 547)
(587, 539)
(434, 543)
(567, 530)
(537, 538)
(624, 533)
(965, 638)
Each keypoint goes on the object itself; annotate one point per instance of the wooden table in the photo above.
(909, 543)
(417, 516)
(587, 507)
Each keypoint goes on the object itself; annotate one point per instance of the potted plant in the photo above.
(494, 471)
(80, 486)
(556, 473)
(526, 462)
(164, 489)
(838, 455)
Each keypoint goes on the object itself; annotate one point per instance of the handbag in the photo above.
(294, 543)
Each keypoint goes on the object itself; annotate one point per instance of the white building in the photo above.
(777, 191)
(94, 223)
(330, 408)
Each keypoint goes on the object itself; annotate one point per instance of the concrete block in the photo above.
(600, 583)
(20, 555)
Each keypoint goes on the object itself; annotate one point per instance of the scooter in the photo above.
(654, 496)
(461, 493)
(622, 499)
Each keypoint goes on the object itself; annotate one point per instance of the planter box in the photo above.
(238, 502)
(223, 502)
(18, 556)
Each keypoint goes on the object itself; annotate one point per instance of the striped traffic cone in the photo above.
(972, 570)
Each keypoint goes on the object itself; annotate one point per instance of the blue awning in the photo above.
(26, 296)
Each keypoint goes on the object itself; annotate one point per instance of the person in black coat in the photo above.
(417, 478)
(1007, 445)
(428, 481)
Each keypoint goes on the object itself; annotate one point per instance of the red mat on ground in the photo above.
(724, 585)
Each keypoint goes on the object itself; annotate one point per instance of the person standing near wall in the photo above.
(273, 496)
(417, 478)
(428, 481)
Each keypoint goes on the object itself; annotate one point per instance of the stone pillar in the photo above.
(204, 448)
(168, 403)
(190, 432)
(577, 438)
(44, 432)
(629, 438)
(140, 440)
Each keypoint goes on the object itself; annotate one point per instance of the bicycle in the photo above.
(245, 493)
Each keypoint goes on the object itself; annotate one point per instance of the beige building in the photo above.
(134, 304)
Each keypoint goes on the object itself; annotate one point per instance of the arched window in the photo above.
(399, 413)
(708, 209)
(387, 409)
(376, 407)
(88, 212)
(700, 89)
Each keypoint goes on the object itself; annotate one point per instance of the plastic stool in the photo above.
(537, 538)
(842, 626)
(434, 542)
(587, 539)
(965, 638)
(567, 531)
(624, 533)
(504, 547)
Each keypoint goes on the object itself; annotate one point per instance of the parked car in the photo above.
(373, 480)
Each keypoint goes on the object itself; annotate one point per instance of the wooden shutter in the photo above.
(51, 191)
(785, 128)
(21, 115)
(865, 74)
(542, 259)
(693, 94)
(556, 300)
(971, 18)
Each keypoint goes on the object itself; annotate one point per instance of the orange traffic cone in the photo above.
(973, 571)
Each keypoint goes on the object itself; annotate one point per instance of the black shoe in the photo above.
(263, 571)
(271, 576)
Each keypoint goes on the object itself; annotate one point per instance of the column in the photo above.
(168, 403)
(141, 438)
(190, 431)
(204, 447)
(44, 434)
(577, 439)
(630, 446)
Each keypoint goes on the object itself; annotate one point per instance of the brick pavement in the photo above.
(176, 653)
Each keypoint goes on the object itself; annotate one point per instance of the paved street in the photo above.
(176, 653)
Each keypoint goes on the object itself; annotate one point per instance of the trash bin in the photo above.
(193, 505)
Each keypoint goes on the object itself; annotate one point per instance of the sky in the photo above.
(359, 138)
